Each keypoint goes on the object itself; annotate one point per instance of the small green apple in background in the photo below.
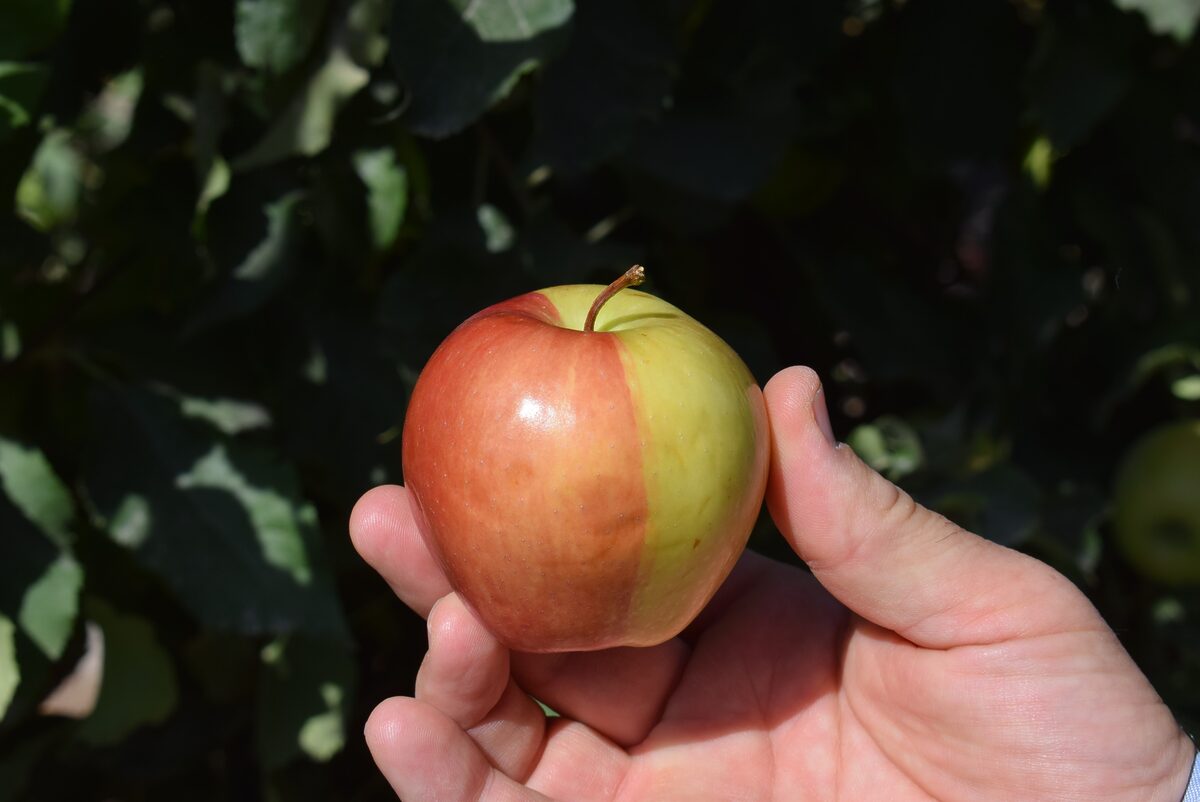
(1157, 504)
(587, 464)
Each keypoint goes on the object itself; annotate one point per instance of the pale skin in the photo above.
(917, 661)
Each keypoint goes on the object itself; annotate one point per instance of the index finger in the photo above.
(384, 532)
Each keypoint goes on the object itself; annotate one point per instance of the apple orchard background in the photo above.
(232, 232)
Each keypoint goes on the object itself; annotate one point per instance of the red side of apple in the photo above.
(527, 475)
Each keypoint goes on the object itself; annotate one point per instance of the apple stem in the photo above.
(633, 277)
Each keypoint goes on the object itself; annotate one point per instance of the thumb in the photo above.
(887, 558)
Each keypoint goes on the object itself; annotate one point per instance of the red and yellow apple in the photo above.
(585, 486)
(1156, 516)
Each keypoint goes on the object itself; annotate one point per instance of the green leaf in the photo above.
(10, 672)
(39, 585)
(28, 26)
(209, 120)
(265, 259)
(21, 88)
(50, 190)
(108, 119)
(1071, 516)
(276, 35)
(1187, 388)
(39, 579)
(304, 695)
(1001, 503)
(50, 605)
(10, 341)
(29, 481)
(260, 267)
(387, 193)
(1177, 361)
(458, 57)
(275, 519)
(305, 126)
(615, 73)
(222, 523)
(512, 20)
(1039, 162)
(1176, 18)
(497, 231)
(228, 415)
(1080, 72)
(139, 687)
(889, 445)
(344, 439)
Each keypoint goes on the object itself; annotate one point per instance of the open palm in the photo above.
(917, 661)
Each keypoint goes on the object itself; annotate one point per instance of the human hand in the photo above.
(917, 661)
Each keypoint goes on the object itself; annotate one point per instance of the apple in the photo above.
(586, 464)
(1157, 504)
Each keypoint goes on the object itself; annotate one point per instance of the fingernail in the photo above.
(821, 415)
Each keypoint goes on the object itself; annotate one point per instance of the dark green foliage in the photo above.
(232, 231)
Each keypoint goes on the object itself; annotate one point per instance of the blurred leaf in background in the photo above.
(232, 232)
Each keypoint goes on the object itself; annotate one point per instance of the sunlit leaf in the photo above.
(498, 232)
(889, 445)
(260, 269)
(266, 257)
(40, 578)
(1176, 362)
(387, 193)
(512, 21)
(50, 605)
(305, 126)
(1039, 161)
(223, 524)
(458, 57)
(276, 34)
(229, 415)
(30, 482)
(1176, 18)
(209, 119)
(138, 687)
(1187, 388)
(304, 695)
(10, 672)
(108, 119)
(272, 515)
(50, 190)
